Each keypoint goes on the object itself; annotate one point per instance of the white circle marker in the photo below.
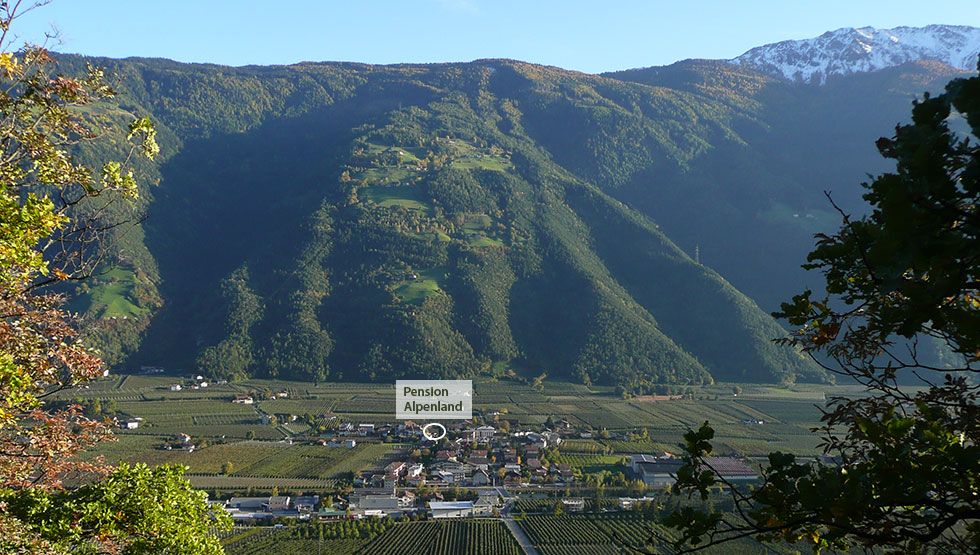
(429, 437)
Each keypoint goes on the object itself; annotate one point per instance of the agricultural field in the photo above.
(445, 537)
(209, 460)
(304, 461)
(198, 416)
(588, 534)
(261, 455)
(613, 534)
(591, 464)
(587, 446)
(263, 463)
(341, 538)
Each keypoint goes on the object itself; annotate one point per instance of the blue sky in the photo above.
(585, 36)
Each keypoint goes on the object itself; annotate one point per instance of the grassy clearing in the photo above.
(407, 197)
(483, 241)
(415, 291)
(389, 175)
(467, 156)
(476, 231)
(404, 154)
(109, 296)
(483, 162)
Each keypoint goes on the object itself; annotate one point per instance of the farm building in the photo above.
(278, 503)
(306, 504)
(451, 509)
(731, 470)
(483, 506)
(656, 472)
(628, 503)
(661, 471)
(331, 514)
(132, 423)
(375, 502)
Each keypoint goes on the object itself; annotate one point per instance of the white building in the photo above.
(415, 470)
(406, 500)
(627, 503)
(483, 506)
(451, 509)
(278, 503)
(132, 423)
(483, 434)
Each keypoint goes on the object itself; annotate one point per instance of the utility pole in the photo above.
(697, 254)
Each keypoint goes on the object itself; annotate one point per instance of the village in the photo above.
(289, 460)
(477, 468)
(475, 471)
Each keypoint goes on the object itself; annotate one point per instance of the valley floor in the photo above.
(260, 438)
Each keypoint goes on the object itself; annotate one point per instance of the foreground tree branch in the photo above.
(908, 477)
(54, 222)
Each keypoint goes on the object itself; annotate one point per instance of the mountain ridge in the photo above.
(333, 220)
(850, 50)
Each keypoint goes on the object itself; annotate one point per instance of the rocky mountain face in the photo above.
(855, 50)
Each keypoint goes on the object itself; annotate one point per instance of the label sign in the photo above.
(433, 399)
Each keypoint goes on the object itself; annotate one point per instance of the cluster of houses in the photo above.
(251, 508)
(394, 503)
(249, 400)
(196, 381)
(477, 457)
(182, 443)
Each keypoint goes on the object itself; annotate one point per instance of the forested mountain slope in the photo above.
(342, 221)
(753, 206)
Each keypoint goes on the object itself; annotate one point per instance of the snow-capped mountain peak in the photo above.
(851, 50)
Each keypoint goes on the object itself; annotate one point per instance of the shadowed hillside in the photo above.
(339, 221)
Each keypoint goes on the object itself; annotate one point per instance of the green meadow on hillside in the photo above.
(108, 295)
